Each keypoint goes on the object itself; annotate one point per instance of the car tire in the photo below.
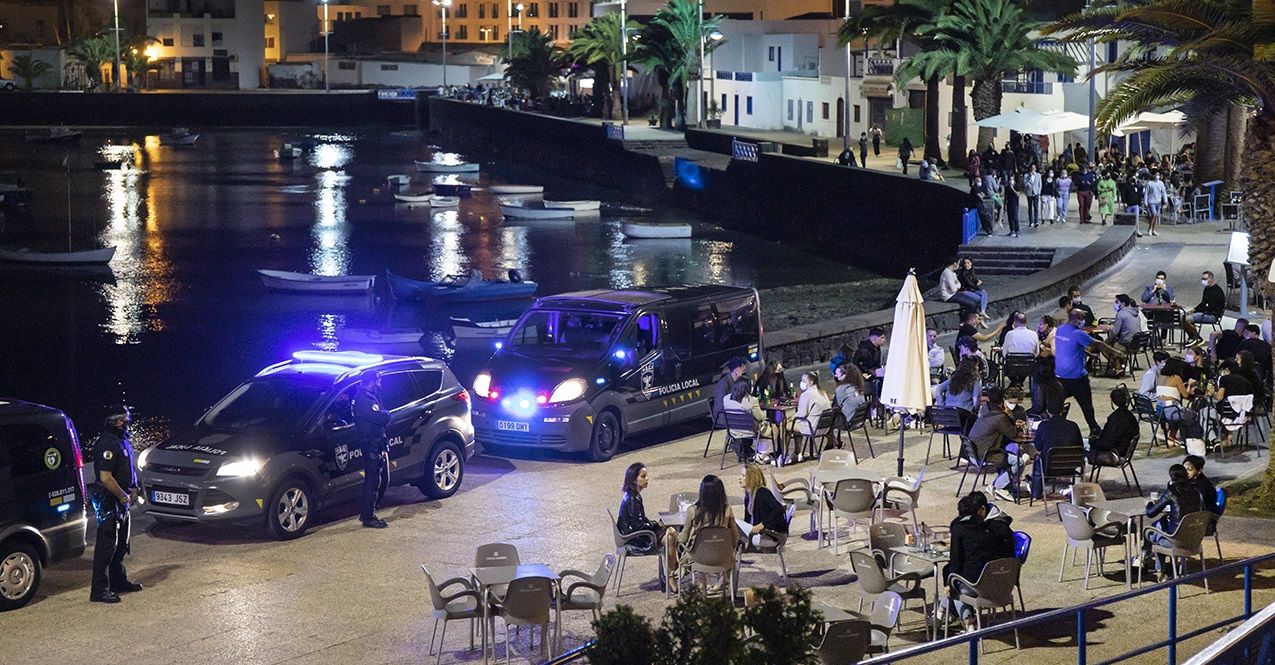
(9, 86)
(443, 472)
(20, 574)
(290, 510)
(606, 438)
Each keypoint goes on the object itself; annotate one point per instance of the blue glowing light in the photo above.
(600, 380)
(499, 345)
(346, 358)
(752, 356)
(522, 405)
(619, 354)
(64, 507)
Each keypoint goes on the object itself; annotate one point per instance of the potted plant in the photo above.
(714, 120)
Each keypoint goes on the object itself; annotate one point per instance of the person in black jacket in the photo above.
(1208, 491)
(370, 421)
(1212, 306)
(1054, 432)
(868, 356)
(730, 374)
(1121, 426)
(632, 516)
(763, 511)
(980, 534)
(1181, 499)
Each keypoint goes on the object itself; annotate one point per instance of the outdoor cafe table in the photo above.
(825, 480)
(936, 557)
(1133, 511)
(488, 577)
(778, 412)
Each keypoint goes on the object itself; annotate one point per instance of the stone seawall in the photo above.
(196, 109)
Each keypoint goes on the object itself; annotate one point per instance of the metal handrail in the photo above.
(972, 638)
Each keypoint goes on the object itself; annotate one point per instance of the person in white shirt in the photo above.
(741, 399)
(1154, 196)
(1021, 339)
(810, 405)
(934, 350)
(1031, 187)
(1152, 375)
(950, 289)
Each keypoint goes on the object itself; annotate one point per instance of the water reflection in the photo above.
(446, 255)
(140, 260)
(331, 252)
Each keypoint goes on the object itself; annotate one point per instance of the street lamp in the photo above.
(443, 5)
(715, 36)
(327, 30)
(845, 107)
(624, 62)
(519, 7)
(115, 74)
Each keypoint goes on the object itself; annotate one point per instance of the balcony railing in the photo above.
(1028, 87)
(880, 67)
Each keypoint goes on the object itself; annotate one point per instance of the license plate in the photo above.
(171, 498)
(513, 426)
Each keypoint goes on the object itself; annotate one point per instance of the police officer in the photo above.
(115, 491)
(370, 421)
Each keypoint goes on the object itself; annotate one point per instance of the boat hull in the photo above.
(641, 230)
(282, 280)
(413, 198)
(437, 167)
(578, 206)
(525, 212)
(83, 258)
(411, 290)
(516, 189)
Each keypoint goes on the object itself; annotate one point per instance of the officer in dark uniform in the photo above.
(370, 421)
(115, 491)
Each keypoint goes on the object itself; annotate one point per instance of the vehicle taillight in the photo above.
(462, 396)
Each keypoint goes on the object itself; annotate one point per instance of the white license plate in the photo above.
(171, 498)
(513, 426)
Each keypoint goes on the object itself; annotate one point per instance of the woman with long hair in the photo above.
(763, 511)
(772, 382)
(710, 509)
(632, 517)
(741, 399)
(851, 390)
(963, 388)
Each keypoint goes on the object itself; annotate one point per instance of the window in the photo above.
(398, 389)
(825, 110)
(749, 102)
(640, 338)
(269, 42)
(856, 113)
(345, 64)
(462, 10)
(495, 33)
(167, 41)
(790, 109)
(1113, 51)
(495, 10)
(573, 10)
(383, 10)
(553, 10)
(770, 54)
(462, 32)
(482, 10)
(411, 10)
(533, 9)
(197, 40)
(737, 323)
(22, 451)
(571, 32)
(553, 32)
(389, 68)
(39, 27)
(216, 39)
(723, 108)
(429, 381)
(810, 111)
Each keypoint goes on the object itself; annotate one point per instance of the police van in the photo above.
(581, 371)
(42, 518)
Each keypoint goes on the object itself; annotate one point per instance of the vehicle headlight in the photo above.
(241, 468)
(141, 459)
(569, 390)
(482, 383)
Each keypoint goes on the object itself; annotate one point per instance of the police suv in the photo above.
(42, 519)
(284, 444)
(580, 371)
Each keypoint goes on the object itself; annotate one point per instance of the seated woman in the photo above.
(633, 518)
(1171, 393)
(971, 283)
(741, 399)
(710, 509)
(980, 534)
(763, 511)
(1048, 393)
(964, 389)
(1181, 499)
(810, 405)
(850, 394)
(772, 382)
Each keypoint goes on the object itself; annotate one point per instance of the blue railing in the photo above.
(1028, 87)
(1076, 613)
(969, 225)
(743, 150)
(1251, 642)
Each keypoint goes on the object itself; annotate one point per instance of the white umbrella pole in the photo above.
(902, 429)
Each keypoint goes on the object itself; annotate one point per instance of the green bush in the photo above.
(784, 627)
(624, 638)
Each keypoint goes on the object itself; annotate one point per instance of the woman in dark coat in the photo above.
(763, 511)
(980, 534)
(633, 514)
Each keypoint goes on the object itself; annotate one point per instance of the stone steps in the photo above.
(1012, 261)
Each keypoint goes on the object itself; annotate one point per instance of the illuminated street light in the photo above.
(443, 5)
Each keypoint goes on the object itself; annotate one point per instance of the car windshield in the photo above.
(271, 404)
(561, 334)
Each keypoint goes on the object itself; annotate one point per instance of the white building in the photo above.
(208, 43)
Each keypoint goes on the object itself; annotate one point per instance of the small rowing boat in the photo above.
(458, 288)
(283, 280)
(516, 189)
(523, 210)
(466, 330)
(446, 167)
(646, 230)
(81, 258)
(578, 206)
(414, 198)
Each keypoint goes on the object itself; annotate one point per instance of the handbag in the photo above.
(898, 164)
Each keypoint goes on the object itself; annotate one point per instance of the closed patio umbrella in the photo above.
(906, 384)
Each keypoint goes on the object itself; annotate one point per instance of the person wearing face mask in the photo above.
(1158, 292)
(1048, 197)
(1152, 375)
(112, 495)
(810, 405)
(1122, 330)
(1212, 306)
(993, 438)
(1154, 196)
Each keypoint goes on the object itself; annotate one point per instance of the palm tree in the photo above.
(657, 49)
(677, 32)
(533, 61)
(600, 46)
(28, 69)
(92, 52)
(133, 57)
(1213, 58)
(987, 39)
(912, 20)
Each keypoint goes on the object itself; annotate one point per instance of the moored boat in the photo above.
(644, 230)
(578, 206)
(516, 189)
(437, 201)
(373, 336)
(465, 330)
(414, 198)
(524, 210)
(459, 288)
(329, 284)
(180, 136)
(77, 258)
(446, 167)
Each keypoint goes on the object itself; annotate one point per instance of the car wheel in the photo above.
(9, 86)
(289, 510)
(444, 471)
(19, 575)
(606, 437)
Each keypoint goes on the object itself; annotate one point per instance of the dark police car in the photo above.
(283, 444)
(580, 371)
(42, 518)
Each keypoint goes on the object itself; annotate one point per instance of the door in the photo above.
(736, 110)
(692, 343)
(841, 117)
(644, 378)
(38, 483)
(800, 113)
(779, 59)
(341, 458)
(877, 106)
(221, 69)
(401, 397)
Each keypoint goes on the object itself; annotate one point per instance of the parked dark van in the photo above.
(42, 519)
(580, 371)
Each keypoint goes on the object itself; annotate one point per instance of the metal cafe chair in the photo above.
(1124, 462)
(948, 421)
(740, 428)
(1065, 463)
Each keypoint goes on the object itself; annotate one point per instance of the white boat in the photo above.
(655, 230)
(398, 180)
(295, 281)
(414, 198)
(179, 136)
(374, 336)
(287, 152)
(466, 330)
(516, 189)
(437, 201)
(446, 167)
(522, 210)
(126, 169)
(80, 258)
(579, 206)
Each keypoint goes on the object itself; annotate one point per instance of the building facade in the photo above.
(208, 43)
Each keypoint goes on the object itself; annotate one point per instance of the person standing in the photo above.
(1106, 196)
(1048, 197)
(1031, 188)
(1086, 186)
(863, 149)
(1155, 197)
(1011, 203)
(114, 493)
(876, 141)
(973, 168)
(1064, 194)
(905, 153)
(370, 420)
(1070, 342)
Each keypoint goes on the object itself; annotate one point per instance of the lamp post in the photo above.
(519, 7)
(699, 98)
(443, 5)
(624, 62)
(509, 27)
(845, 107)
(327, 30)
(1093, 93)
(115, 74)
